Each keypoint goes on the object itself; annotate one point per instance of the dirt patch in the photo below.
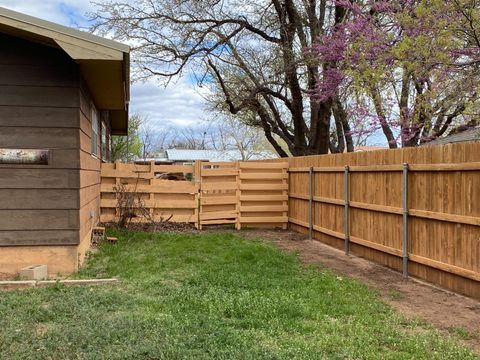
(449, 312)
(7, 276)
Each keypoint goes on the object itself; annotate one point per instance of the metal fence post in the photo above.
(346, 217)
(310, 203)
(405, 220)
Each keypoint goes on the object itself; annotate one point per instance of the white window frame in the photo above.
(95, 131)
(104, 142)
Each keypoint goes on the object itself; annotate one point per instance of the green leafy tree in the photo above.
(126, 148)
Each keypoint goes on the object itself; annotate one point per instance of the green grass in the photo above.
(210, 296)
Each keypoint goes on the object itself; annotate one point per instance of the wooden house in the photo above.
(63, 93)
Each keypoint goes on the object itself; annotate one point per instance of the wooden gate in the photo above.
(219, 193)
(244, 193)
(263, 194)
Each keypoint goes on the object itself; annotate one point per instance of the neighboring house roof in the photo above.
(463, 136)
(369, 148)
(214, 155)
(104, 64)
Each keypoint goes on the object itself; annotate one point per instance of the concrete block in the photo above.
(34, 272)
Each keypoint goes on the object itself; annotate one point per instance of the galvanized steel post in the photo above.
(346, 217)
(310, 203)
(405, 220)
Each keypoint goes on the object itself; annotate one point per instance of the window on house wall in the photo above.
(105, 142)
(95, 131)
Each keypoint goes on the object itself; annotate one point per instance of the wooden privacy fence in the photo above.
(239, 193)
(415, 210)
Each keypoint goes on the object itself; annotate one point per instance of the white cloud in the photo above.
(177, 105)
(65, 12)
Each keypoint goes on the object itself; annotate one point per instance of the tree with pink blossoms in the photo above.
(409, 69)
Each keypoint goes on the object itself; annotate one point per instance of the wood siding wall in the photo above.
(89, 171)
(44, 104)
(39, 105)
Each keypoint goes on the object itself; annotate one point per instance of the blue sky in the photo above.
(178, 104)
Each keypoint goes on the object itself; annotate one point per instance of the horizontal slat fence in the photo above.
(356, 203)
(171, 200)
(240, 193)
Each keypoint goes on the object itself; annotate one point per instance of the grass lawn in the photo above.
(210, 296)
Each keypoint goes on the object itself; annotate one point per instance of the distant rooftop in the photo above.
(369, 148)
(214, 155)
(464, 136)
